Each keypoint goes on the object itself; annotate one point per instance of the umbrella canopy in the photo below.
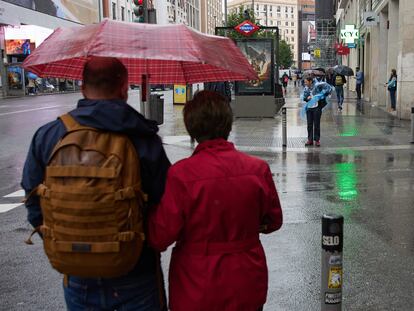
(313, 72)
(166, 53)
(31, 75)
(319, 69)
(343, 70)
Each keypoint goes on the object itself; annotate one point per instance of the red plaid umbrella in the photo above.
(166, 53)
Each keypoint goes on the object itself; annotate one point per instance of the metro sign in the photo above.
(247, 28)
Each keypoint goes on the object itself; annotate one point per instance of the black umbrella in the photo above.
(343, 70)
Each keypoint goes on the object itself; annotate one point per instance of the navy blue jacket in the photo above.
(111, 115)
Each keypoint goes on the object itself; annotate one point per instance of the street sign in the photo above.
(342, 49)
(246, 28)
(370, 18)
(317, 53)
(349, 34)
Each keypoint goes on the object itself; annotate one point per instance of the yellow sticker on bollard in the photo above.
(335, 277)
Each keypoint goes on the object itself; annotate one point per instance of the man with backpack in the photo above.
(339, 88)
(90, 178)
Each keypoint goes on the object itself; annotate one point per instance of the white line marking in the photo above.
(34, 109)
(16, 194)
(7, 207)
(172, 140)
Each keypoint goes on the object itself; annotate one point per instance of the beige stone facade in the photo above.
(387, 45)
(281, 13)
(211, 15)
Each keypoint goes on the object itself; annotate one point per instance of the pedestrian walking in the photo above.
(313, 111)
(221, 87)
(99, 158)
(215, 204)
(340, 80)
(285, 81)
(392, 88)
(359, 75)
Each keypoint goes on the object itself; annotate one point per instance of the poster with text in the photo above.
(260, 54)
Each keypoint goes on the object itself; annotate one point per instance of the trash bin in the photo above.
(157, 108)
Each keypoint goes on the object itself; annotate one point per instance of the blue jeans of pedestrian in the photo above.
(393, 98)
(313, 116)
(340, 95)
(129, 293)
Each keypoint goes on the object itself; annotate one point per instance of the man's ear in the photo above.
(84, 90)
(124, 91)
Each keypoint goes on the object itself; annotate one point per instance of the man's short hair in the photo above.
(208, 116)
(105, 74)
(357, 68)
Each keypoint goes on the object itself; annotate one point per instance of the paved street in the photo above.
(363, 170)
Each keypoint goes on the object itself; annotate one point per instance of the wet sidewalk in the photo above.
(359, 126)
(363, 171)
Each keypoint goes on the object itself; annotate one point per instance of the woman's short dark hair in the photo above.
(208, 116)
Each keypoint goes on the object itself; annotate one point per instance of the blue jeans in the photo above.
(313, 117)
(129, 293)
(393, 99)
(340, 95)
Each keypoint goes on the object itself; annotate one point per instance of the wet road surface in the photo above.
(364, 171)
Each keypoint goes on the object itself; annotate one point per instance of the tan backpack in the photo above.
(91, 202)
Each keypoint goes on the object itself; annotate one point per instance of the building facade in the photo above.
(211, 15)
(385, 42)
(306, 33)
(179, 12)
(121, 10)
(281, 13)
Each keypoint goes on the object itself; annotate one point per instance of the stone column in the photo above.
(405, 67)
(382, 64)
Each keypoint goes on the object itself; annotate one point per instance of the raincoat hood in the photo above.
(113, 115)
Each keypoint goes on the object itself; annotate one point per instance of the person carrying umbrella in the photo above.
(104, 108)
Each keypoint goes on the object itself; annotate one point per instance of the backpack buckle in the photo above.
(43, 191)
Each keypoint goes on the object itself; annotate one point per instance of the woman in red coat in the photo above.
(215, 204)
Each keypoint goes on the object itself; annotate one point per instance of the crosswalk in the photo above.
(5, 207)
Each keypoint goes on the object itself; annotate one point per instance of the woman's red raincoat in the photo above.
(213, 206)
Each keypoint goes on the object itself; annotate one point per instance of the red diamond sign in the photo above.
(247, 28)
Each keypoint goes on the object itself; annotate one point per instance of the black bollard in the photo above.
(284, 132)
(332, 246)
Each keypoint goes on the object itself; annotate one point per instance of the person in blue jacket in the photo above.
(104, 106)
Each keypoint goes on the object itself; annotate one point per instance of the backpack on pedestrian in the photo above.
(339, 81)
(286, 79)
(92, 201)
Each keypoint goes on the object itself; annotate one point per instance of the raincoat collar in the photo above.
(218, 144)
(113, 115)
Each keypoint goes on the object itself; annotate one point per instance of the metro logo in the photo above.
(247, 28)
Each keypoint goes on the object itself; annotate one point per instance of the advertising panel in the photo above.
(19, 47)
(80, 11)
(308, 38)
(260, 54)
